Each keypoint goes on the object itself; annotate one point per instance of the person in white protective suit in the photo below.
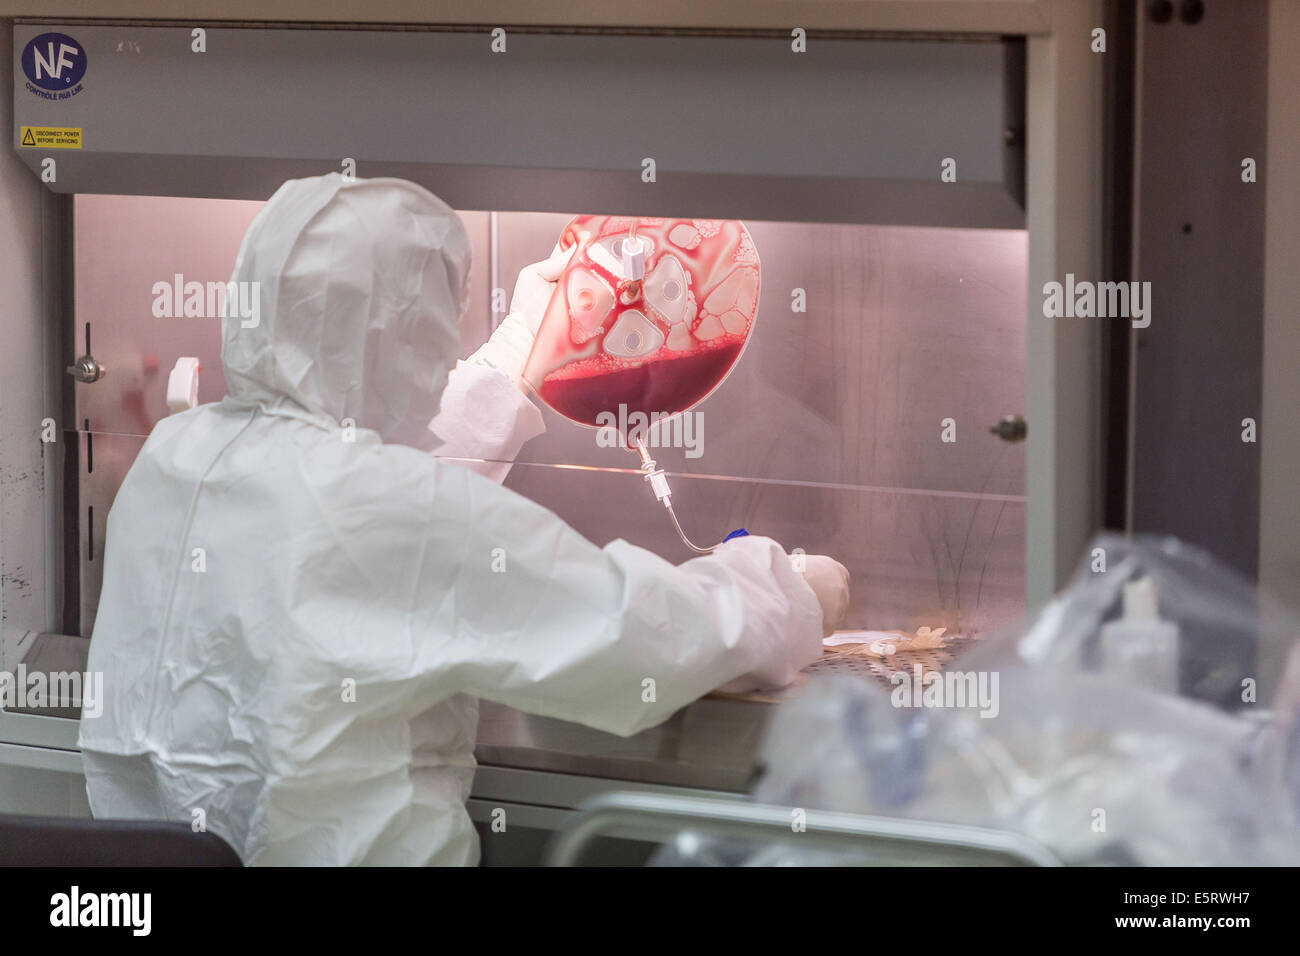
(299, 609)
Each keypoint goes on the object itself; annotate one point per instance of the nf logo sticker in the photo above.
(54, 65)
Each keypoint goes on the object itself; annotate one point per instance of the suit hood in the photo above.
(359, 286)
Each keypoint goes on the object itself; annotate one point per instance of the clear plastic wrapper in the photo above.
(1070, 743)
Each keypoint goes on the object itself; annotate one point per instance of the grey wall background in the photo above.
(1279, 507)
(24, 568)
(1202, 96)
(30, 550)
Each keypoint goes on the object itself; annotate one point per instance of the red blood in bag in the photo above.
(664, 385)
(611, 346)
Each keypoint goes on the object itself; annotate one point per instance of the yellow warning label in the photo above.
(51, 137)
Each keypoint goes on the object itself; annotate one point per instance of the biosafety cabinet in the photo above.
(902, 404)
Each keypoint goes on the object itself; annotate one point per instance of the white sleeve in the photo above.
(616, 638)
(485, 419)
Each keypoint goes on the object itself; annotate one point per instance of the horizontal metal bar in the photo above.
(517, 814)
(975, 17)
(32, 730)
(657, 817)
(566, 790)
(40, 758)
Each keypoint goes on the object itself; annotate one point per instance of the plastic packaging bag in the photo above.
(1072, 748)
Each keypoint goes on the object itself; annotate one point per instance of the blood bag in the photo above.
(649, 316)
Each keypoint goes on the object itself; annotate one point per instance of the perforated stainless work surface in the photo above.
(879, 668)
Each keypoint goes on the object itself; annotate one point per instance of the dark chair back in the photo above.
(72, 841)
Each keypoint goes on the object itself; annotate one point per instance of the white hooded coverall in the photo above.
(300, 607)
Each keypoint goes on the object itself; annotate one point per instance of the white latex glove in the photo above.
(535, 284)
(829, 580)
(508, 348)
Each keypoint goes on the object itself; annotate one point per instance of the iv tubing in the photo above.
(659, 485)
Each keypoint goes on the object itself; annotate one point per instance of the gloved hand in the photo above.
(535, 284)
(829, 580)
(508, 348)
